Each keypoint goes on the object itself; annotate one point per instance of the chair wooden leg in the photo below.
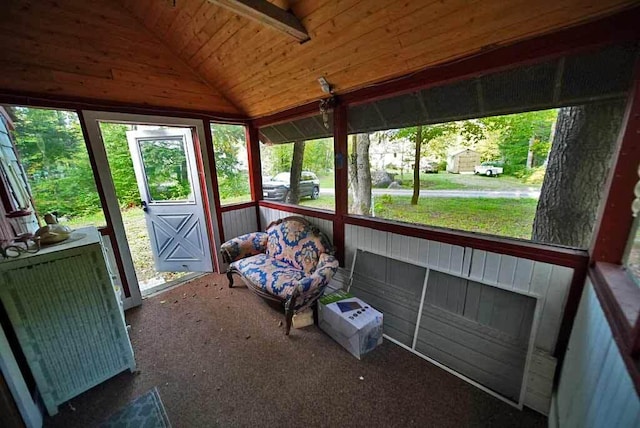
(289, 318)
(230, 278)
(288, 310)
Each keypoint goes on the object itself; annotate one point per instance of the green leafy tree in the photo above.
(422, 136)
(114, 136)
(55, 159)
(228, 142)
(318, 156)
(520, 131)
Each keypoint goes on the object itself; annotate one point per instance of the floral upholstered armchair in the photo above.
(292, 263)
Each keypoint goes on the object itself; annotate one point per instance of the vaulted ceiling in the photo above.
(194, 54)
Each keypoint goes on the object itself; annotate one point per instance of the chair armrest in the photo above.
(244, 246)
(310, 288)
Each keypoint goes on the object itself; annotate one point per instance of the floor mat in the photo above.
(146, 411)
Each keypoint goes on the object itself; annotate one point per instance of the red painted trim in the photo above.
(258, 222)
(238, 206)
(616, 28)
(613, 289)
(612, 233)
(620, 294)
(18, 213)
(34, 99)
(255, 165)
(340, 148)
(296, 209)
(298, 112)
(4, 195)
(211, 161)
(635, 347)
(511, 247)
(569, 314)
(103, 201)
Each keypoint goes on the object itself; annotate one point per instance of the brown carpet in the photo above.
(219, 358)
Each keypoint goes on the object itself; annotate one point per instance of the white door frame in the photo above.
(113, 208)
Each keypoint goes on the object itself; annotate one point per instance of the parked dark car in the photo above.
(277, 188)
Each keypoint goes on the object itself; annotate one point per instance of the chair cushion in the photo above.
(244, 246)
(274, 276)
(294, 243)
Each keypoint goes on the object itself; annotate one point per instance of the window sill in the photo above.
(237, 206)
(620, 299)
(18, 213)
(300, 209)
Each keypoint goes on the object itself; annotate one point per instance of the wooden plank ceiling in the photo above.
(353, 42)
(95, 49)
(197, 55)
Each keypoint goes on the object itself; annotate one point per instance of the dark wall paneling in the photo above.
(588, 77)
(478, 330)
(392, 287)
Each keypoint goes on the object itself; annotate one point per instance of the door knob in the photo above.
(144, 206)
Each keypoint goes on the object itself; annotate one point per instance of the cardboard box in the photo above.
(351, 322)
(303, 319)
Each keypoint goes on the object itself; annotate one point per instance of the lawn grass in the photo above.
(327, 181)
(96, 219)
(135, 227)
(326, 202)
(446, 181)
(504, 217)
(236, 199)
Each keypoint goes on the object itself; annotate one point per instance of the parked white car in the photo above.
(488, 169)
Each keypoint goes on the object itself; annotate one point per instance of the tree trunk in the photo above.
(530, 152)
(416, 168)
(296, 172)
(360, 175)
(580, 157)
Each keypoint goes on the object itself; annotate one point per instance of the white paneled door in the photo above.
(166, 171)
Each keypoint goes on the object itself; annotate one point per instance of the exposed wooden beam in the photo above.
(268, 14)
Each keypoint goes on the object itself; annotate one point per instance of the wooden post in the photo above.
(208, 138)
(616, 220)
(255, 167)
(340, 133)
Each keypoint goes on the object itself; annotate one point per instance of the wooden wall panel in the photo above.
(353, 42)
(595, 387)
(96, 49)
(239, 222)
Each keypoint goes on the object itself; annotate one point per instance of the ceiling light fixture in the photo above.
(325, 85)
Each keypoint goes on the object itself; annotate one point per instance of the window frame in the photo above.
(248, 150)
(618, 293)
(7, 187)
(254, 143)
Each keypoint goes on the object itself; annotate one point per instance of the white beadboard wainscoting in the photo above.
(267, 215)
(548, 283)
(595, 387)
(239, 222)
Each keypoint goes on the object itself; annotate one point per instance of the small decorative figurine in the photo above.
(53, 232)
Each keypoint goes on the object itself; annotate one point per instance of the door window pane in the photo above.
(166, 170)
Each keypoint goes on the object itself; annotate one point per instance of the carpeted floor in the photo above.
(220, 358)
